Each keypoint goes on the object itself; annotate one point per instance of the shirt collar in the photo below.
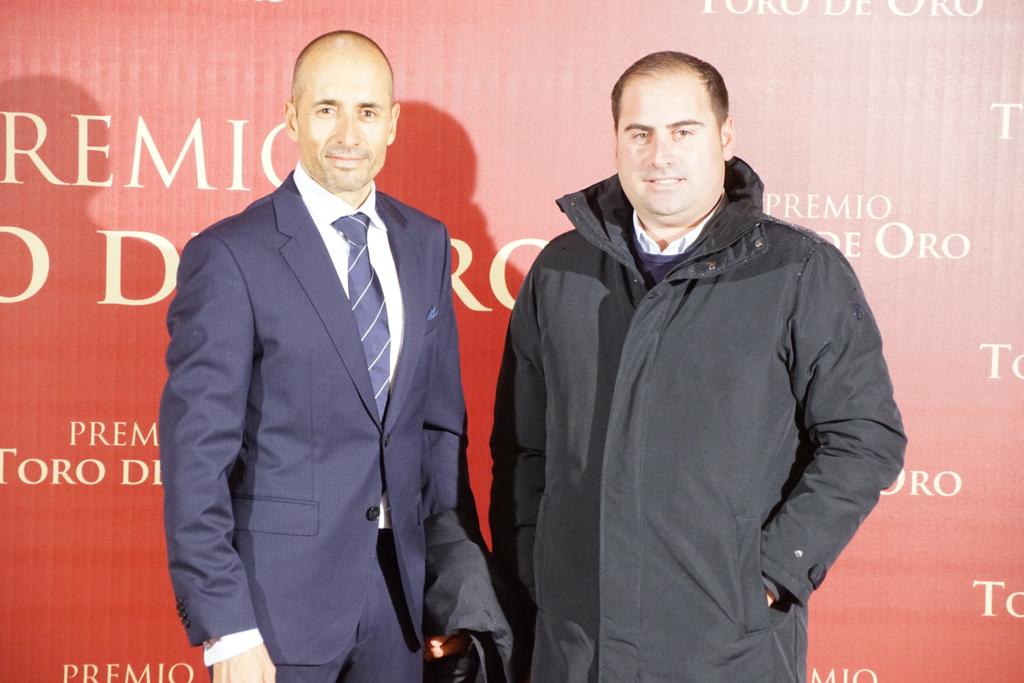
(677, 246)
(325, 208)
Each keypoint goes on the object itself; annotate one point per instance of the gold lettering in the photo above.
(988, 612)
(4, 452)
(1005, 108)
(237, 138)
(113, 294)
(172, 673)
(140, 469)
(77, 430)
(97, 432)
(23, 467)
(267, 158)
(194, 140)
(464, 256)
(62, 470)
(101, 472)
(84, 148)
(12, 151)
(141, 677)
(149, 438)
(119, 433)
(40, 264)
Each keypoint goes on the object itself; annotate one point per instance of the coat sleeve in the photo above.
(202, 414)
(461, 591)
(518, 442)
(845, 401)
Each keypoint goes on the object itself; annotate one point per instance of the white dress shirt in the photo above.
(325, 208)
(677, 246)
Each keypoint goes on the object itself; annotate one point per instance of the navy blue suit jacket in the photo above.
(269, 439)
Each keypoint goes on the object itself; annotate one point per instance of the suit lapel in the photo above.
(415, 296)
(307, 256)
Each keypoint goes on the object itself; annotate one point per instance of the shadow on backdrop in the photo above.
(433, 166)
(67, 358)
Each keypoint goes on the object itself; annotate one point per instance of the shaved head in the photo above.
(347, 41)
(342, 112)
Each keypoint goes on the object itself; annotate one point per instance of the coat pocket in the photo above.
(276, 515)
(751, 584)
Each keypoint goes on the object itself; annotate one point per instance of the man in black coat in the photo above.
(693, 413)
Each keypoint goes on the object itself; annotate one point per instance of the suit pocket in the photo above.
(276, 515)
(751, 585)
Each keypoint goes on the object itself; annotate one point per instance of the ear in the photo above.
(291, 120)
(396, 109)
(728, 134)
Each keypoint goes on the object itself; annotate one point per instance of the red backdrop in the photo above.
(894, 126)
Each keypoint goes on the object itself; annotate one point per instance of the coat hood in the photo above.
(603, 215)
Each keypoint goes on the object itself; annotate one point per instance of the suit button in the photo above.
(372, 513)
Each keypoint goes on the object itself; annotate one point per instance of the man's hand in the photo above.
(771, 597)
(444, 646)
(251, 666)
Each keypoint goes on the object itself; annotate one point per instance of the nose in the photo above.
(345, 130)
(661, 152)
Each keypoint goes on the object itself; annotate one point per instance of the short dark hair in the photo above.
(339, 37)
(666, 61)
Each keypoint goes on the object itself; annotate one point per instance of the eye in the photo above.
(640, 135)
(325, 110)
(683, 133)
(369, 114)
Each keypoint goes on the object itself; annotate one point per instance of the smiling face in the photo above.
(670, 150)
(343, 116)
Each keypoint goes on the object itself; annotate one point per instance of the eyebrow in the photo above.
(335, 103)
(677, 124)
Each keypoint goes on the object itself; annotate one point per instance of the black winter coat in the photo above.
(656, 451)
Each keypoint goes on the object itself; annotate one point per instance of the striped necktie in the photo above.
(367, 298)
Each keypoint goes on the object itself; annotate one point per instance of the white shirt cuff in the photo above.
(230, 645)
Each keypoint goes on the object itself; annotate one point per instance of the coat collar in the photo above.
(603, 215)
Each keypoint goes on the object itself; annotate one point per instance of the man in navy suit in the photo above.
(308, 440)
